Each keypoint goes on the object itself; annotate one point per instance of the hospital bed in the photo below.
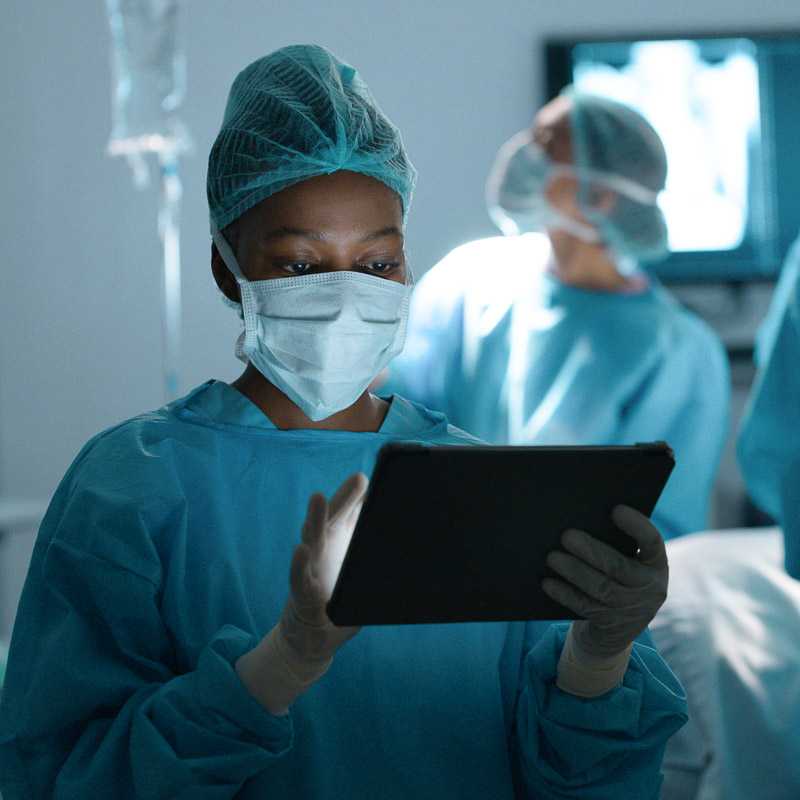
(730, 630)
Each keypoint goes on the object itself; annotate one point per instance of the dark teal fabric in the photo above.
(165, 555)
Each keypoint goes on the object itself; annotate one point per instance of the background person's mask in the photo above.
(516, 191)
(517, 185)
(321, 338)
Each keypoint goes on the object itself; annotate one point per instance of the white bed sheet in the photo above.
(730, 630)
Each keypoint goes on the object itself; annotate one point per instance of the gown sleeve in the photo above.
(790, 518)
(602, 748)
(94, 704)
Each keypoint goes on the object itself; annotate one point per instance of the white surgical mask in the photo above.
(322, 338)
(516, 191)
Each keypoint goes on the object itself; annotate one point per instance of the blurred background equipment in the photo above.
(16, 515)
(148, 68)
(725, 107)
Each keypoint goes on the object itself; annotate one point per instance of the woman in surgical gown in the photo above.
(156, 607)
(555, 336)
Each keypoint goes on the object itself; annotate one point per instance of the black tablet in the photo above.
(461, 534)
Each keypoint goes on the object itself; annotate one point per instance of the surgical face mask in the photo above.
(516, 190)
(320, 339)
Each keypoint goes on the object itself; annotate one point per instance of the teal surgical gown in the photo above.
(514, 356)
(769, 442)
(165, 555)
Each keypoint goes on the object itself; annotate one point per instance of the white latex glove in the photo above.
(327, 531)
(617, 596)
(300, 648)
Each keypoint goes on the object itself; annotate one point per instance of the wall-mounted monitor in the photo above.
(727, 108)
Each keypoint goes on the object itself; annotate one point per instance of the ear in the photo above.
(600, 199)
(224, 277)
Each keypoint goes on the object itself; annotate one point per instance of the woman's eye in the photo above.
(297, 267)
(382, 267)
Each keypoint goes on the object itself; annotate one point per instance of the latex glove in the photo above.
(300, 648)
(617, 596)
(317, 560)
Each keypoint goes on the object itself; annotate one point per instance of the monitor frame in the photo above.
(753, 262)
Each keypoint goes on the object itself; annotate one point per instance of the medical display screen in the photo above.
(718, 105)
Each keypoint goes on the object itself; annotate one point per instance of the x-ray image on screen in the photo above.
(703, 100)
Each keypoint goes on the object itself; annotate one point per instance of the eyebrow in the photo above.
(284, 231)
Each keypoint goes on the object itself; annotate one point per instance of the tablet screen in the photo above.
(469, 541)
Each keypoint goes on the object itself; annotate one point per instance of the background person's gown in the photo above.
(512, 355)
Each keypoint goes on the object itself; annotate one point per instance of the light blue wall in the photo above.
(79, 283)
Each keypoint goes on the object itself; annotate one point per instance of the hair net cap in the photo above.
(609, 137)
(295, 114)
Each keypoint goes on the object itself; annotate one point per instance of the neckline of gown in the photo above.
(222, 404)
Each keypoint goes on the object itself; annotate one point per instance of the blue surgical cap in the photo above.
(612, 138)
(614, 149)
(295, 114)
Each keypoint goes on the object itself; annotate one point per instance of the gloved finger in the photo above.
(342, 523)
(570, 597)
(337, 543)
(314, 523)
(603, 557)
(348, 516)
(347, 496)
(652, 550)
(592, 582)
(304, 586)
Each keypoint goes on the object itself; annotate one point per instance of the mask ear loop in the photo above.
(631, 189)
(226, 253)
(248, 341)
(411, 281)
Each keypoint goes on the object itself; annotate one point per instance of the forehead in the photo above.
(552, 128)
(342, 201)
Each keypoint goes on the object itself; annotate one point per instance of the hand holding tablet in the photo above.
(617, 596)
(459, 534)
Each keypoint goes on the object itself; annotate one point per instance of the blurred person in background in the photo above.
(552, 334)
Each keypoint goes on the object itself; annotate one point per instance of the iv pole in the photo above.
(148, 69)
(169, 231)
